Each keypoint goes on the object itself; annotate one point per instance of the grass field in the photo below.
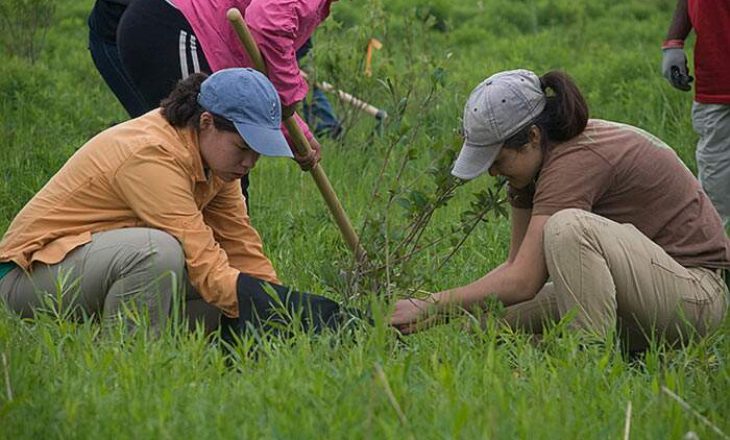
(62, 379)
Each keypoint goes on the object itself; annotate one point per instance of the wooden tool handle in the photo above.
(301, 143)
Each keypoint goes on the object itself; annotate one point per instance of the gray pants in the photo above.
(712, 123)
(615, 279)
(118, 276)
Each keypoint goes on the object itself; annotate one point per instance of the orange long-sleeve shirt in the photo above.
(144, 173)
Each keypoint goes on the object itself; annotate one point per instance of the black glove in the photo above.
(274, 309)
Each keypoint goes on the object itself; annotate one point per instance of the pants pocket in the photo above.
(705, 307)
(671, 267)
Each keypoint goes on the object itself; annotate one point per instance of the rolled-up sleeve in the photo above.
(159, 191)
(274, 26)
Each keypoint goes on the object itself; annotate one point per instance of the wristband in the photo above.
(674, 43)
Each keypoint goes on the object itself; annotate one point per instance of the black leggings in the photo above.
(158, 48)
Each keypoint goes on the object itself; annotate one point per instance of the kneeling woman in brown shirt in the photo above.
(607, 222)
(152, 207)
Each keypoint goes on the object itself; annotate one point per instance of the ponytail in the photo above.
(181, 108)
(566, 112)
(565, 115)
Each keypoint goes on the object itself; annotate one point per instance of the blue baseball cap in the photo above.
(247, 98)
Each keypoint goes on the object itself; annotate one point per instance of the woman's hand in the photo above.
(412, 315)
(308, 161)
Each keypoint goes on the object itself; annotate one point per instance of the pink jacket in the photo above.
(280, 27)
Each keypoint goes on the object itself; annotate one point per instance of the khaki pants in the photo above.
(118, 273)
(615, 279)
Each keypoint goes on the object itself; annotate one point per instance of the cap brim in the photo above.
(265, 141)
(474, 161)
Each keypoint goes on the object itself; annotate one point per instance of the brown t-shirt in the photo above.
(630, 176)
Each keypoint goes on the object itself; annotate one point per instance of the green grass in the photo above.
(63, 379)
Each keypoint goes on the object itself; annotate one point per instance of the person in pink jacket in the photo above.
(163, 41)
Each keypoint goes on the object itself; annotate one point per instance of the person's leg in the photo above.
(117, 275)
(323, 116)
(535, 315)
(614, 277)
(105, 54)
(319, 114)
(712, 123)
(158, 48)
(196, 311)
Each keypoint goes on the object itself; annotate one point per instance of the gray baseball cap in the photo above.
(248, 99)
(498, 108)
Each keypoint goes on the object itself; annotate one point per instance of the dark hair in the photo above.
(564, 117)
(181, 108)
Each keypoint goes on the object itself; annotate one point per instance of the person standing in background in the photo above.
(163, 41)
(103, 22)
(318, 111)
(710, 20)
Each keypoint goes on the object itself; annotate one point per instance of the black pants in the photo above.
(158, 48)
(103, 22)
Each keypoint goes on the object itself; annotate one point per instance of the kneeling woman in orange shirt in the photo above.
(152, 207)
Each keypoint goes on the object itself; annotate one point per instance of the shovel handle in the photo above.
(351, 100)
(300, 142)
